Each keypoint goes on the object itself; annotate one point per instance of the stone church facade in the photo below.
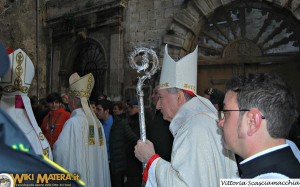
(234, 37)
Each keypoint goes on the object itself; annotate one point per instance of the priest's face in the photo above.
(233, 124)
(168, 104)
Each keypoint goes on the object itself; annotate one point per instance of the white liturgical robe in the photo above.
(73, 152)
(25, 119)
(198, 157)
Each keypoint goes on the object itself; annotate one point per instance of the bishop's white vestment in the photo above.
(198, 157)
(73, 152)
(20, 110)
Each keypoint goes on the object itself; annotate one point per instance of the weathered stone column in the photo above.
(116, 70)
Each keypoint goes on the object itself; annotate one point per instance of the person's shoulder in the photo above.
(204, 118)
(74, 119)
(118, 120)
(271, 176)
(203, 123)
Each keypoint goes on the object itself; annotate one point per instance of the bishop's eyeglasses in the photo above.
(222, 114)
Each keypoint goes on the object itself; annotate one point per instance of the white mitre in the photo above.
(181, 74)
(81, 86)
(18, 78)
(15, 84)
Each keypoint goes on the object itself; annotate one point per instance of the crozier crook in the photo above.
(143, 59)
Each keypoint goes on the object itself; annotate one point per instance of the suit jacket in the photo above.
(280, 161)
(159, 134)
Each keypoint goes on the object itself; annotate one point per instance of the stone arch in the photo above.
(188, 25)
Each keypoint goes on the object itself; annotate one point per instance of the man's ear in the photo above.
(181, 98)
(254, 121)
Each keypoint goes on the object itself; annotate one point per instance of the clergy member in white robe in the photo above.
(80, 147)
(16, 83)
(198, 157)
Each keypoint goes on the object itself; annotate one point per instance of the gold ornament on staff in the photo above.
(142, 59)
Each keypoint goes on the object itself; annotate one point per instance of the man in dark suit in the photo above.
(259, 110)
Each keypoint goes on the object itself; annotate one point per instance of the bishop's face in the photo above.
(168, 104)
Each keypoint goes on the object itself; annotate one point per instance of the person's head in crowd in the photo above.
(93, 106)
(34, 101)
(74, 102)
(43, 104)
(259, 110)
(65, 98)
(102, 96)
(104, 109)
(215, 96)
(65, 101)
(133, 107)
(178, 83)
(41, 110)
(55, 101)
(154, 96)
(119, 107)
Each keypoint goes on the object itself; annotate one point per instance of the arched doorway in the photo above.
(90, 58)
(237, 37)
(247, 36)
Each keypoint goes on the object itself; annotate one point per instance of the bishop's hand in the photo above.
(144, 150)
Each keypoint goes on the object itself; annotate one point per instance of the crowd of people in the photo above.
(192, 140)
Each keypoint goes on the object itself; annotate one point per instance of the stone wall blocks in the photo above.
(178, 29)
(140, 36)
(189, 41)
(193, 10)
(177, 2)
(186, 19)
(280, 3)
(196, 28)
(206, 6)
(151, 35)
(168, 13)
(158, 14)
(159, 4)
(225, 2)
(161, 23)
(173, 40)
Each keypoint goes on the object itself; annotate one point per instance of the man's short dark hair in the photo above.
(271, 95)
(54, 97)
(106, 104)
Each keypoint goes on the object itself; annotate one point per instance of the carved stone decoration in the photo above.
(241, 48)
